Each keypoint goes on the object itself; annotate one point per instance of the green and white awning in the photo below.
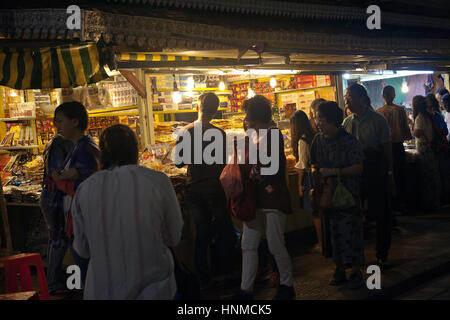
(55, 67)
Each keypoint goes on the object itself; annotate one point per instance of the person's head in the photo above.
(118, 147)
(432, 103)
(388, 95)
(258, 112)
(300, 127)
(446, 102)
(356, 98)
(439, 94)
(70, 119)
(329, 117)
(315, 105)
(419, 106)
(209, 103)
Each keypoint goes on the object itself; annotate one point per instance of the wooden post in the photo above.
(142, 102)
(5, 233)
(149, 105)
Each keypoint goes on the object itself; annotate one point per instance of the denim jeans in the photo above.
(213, 227)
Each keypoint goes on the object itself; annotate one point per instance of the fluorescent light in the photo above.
(393, 75)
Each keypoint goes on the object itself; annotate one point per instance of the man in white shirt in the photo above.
(125, 219)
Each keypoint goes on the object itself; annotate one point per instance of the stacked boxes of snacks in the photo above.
(18, 135)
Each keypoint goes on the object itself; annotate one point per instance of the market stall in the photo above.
(171, 101)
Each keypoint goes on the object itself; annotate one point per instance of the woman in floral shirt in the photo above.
(332, 150)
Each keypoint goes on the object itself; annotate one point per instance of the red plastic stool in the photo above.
(22, 262)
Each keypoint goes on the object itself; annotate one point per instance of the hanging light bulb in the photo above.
(221, 86)
(190, 82)
(405, 88)
(273, 82)
(176, 95)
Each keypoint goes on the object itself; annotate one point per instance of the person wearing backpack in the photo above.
(272, 203)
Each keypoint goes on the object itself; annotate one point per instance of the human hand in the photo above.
(56, 176)
(301, 191)
(326, 172)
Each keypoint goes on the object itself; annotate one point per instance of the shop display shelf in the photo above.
(19, 147)
(17, 119)
(183, 111)
(310, 88)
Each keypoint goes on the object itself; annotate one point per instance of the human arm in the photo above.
(350, 171)
(406, 129)
(80, 241)
(304, 159)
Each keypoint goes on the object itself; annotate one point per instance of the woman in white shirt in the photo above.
(423, 132)
(125, 219)
(302, 135)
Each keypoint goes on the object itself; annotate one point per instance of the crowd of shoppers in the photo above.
(120, 220)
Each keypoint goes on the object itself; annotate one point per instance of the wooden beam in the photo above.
(134, 82)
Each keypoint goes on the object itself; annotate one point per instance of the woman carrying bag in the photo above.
(336, 159)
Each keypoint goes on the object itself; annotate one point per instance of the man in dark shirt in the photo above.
(205, 197)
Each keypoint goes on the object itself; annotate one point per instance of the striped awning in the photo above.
(56, 67)
(158, 57)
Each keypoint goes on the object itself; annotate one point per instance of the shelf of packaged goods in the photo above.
(183, 111)
(310, 88)
(114, 109)
(22, 204)
(216, 90)
(17, 119)
(19, 147)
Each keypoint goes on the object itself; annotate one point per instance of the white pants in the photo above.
(274, 222)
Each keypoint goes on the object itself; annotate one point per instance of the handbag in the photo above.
(239, 191)
(322, 195)
(342, 198)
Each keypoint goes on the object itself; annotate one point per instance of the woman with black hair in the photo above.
(336, 153)
(71, 121)
(423, 132)
(302, 135)
(272, 204)
(125, 219)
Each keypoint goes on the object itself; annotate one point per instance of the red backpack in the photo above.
(238, 188)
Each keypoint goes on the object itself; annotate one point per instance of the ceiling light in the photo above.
(346, 76)
(176, 95)
(273, 82)
(190, 82)
(251, 93)
(405, 88)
